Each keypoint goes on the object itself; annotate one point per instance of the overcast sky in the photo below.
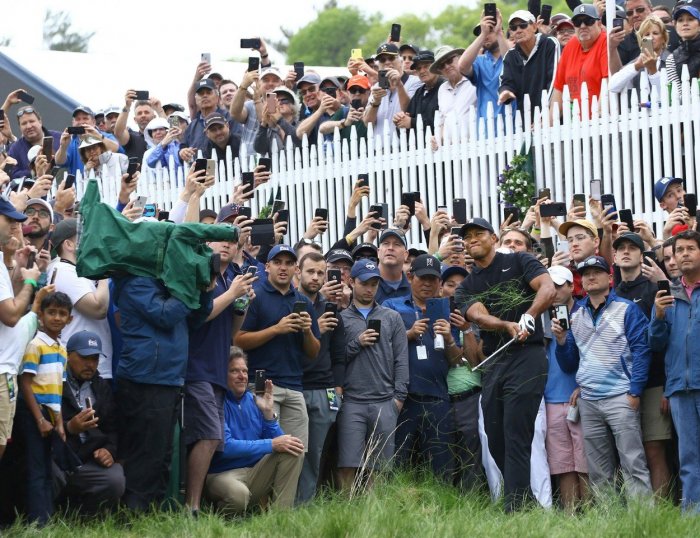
(159, 26)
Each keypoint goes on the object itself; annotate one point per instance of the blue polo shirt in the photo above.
(208, 355)
(386, 291)
(73, 160)
(486, 73)
(427, 377)
(282, 356)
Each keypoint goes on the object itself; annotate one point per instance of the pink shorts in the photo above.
(564, 442)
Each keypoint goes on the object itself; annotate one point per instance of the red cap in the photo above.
(678, 228)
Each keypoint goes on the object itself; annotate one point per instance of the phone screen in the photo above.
(596, 189)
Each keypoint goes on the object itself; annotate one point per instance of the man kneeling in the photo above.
(258, 459)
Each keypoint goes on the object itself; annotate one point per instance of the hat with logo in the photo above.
(7, 209)
(226, 212)
(425, 265)
(365, 269)
(278, 250)
(83, 108)
(392, 232)
(205, 83)
(364, 250)
(585, 10)
(33, 152)
(477, 223)
(214, 119)
(309, 78)
(560, 274)
(442, 54)
(408, 46)
(583, 223)
(85, 344)
(523, 15)
(686, 6)
(424, 56)
(387, 48)
(593, 262)
(339, 254)
(630, 237)
(662, 185)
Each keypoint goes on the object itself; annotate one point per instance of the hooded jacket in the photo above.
(687, 53)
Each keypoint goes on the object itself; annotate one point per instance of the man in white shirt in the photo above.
(457, 95)
(90, 301)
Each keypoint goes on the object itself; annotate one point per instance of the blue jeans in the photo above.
(685, 409)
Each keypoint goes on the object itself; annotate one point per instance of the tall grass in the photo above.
(398, 506)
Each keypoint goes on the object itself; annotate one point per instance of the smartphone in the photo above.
(608, 203)
(140, 202)
(266, 162)
(248, 179)
(382, 79)
(409, 200)
(200, 164)
(69, 181)
(260, 380)
(245, 211)
(332, 308)
(299, 69)
(356, 104)
(453, 304)
(690, 200)
(579, 200)
(546, 14)
(24, 96)
(31, 260)
(142, 95)
(596, 188)
(330, 90)
(53, 277)
(561, 313)
(206, 57)
(555, 209)
(211, 167)
(76, 130)
(648, 255)
(647, 46)
(534, 200)
(88, 402)
(271, 102)
(375, 325)
(537, 249)
(363, 179)
(395, 33)
(47, 148)
(456, 230)
(618, 22)
(250, 43)
(149, 210)
(299, 307)
(278, 205)
(356, 54)
(321, 212)
(253, 63)
(133, 167)
(490, 10)
(626, 217)
(163, 215)
(283, 215)
(262, 232)
(664, 285)
(507, 211)
(459, 210)
(334, 275)
(2, 114)
(544, 193)
(173, 122)
(378, 209)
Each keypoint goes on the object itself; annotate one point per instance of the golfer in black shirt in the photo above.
(505, 295)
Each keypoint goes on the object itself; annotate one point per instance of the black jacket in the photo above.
(105, 435)
(425, 103)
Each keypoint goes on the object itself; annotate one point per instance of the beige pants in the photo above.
(276, 474)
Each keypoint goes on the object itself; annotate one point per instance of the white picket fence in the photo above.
(627, 146)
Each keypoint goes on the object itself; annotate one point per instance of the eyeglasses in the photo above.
(30, 212)
(283, 101)
(577, 238)
(583, 21)
(26, 110)
(357, 91)
(638, 10)
(310, 89)
(518, 26)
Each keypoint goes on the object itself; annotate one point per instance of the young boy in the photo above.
(39, 407)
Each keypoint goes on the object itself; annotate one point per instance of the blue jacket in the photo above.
(677, 335)
(162, 156)
(155, 327)
(610, 352)
(247, 435)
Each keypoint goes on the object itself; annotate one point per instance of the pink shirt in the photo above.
(689, 289)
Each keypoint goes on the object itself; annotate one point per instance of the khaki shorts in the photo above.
(655, 426)
(7, 408)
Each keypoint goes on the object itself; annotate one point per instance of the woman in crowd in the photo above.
(95, 157)
(278, 125)
(687, 22)
(163, 143)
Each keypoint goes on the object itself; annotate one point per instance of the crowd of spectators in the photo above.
(556, 346)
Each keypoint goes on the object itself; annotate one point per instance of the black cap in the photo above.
(338, 254)
(66, 229)
(387, 48)
(416, 252)
(425, 265)
(478, 223)
(364, 248)
(597, 262)
(424, 56)
(205, 83)
(411, 46)
(633, 238)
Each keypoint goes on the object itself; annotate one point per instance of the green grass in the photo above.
(397, 507)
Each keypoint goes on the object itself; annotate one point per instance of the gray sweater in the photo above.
(378, 372)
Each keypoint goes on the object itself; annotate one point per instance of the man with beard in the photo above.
(424, 102)
(483, 69)
(207, 99)
(39, 223)
(219, 136)
(133, 142)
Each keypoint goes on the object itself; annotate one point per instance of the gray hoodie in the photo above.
(378, 372)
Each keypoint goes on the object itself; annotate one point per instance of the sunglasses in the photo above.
(518, 26)
(27, 110)
(638, 10)
(584, 21)
(666, 20)
(283, 101)
(357, 91)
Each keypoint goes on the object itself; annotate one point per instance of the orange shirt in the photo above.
(577, 66)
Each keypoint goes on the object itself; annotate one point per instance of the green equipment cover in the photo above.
(110, 244)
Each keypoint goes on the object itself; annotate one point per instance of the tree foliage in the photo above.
(58, 34)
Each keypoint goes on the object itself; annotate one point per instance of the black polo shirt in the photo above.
(504, 289)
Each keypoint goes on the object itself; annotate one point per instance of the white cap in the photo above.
(560, 274)
(41, 202)
(33, 152)
(523, 15)
(270, 71)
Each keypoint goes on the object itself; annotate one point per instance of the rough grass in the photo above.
(400, 506)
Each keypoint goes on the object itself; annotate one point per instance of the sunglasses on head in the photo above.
(518, 26)
(584, 21)
(638, 10)
(27, 110)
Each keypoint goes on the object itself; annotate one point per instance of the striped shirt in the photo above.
(45, 359)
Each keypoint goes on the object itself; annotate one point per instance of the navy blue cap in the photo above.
(392, 232)
(338, 254)
(662, 185)
(205, 83)
(85, 343)
(591, 262)
(83, 108)
(226, 212)
(688, 7)
(281, 249)
(361, 251)
(451, 270)
(478, 223)
(425, 265)
(387, 48)
(633, 238)
(7, 209)
(365, 269)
